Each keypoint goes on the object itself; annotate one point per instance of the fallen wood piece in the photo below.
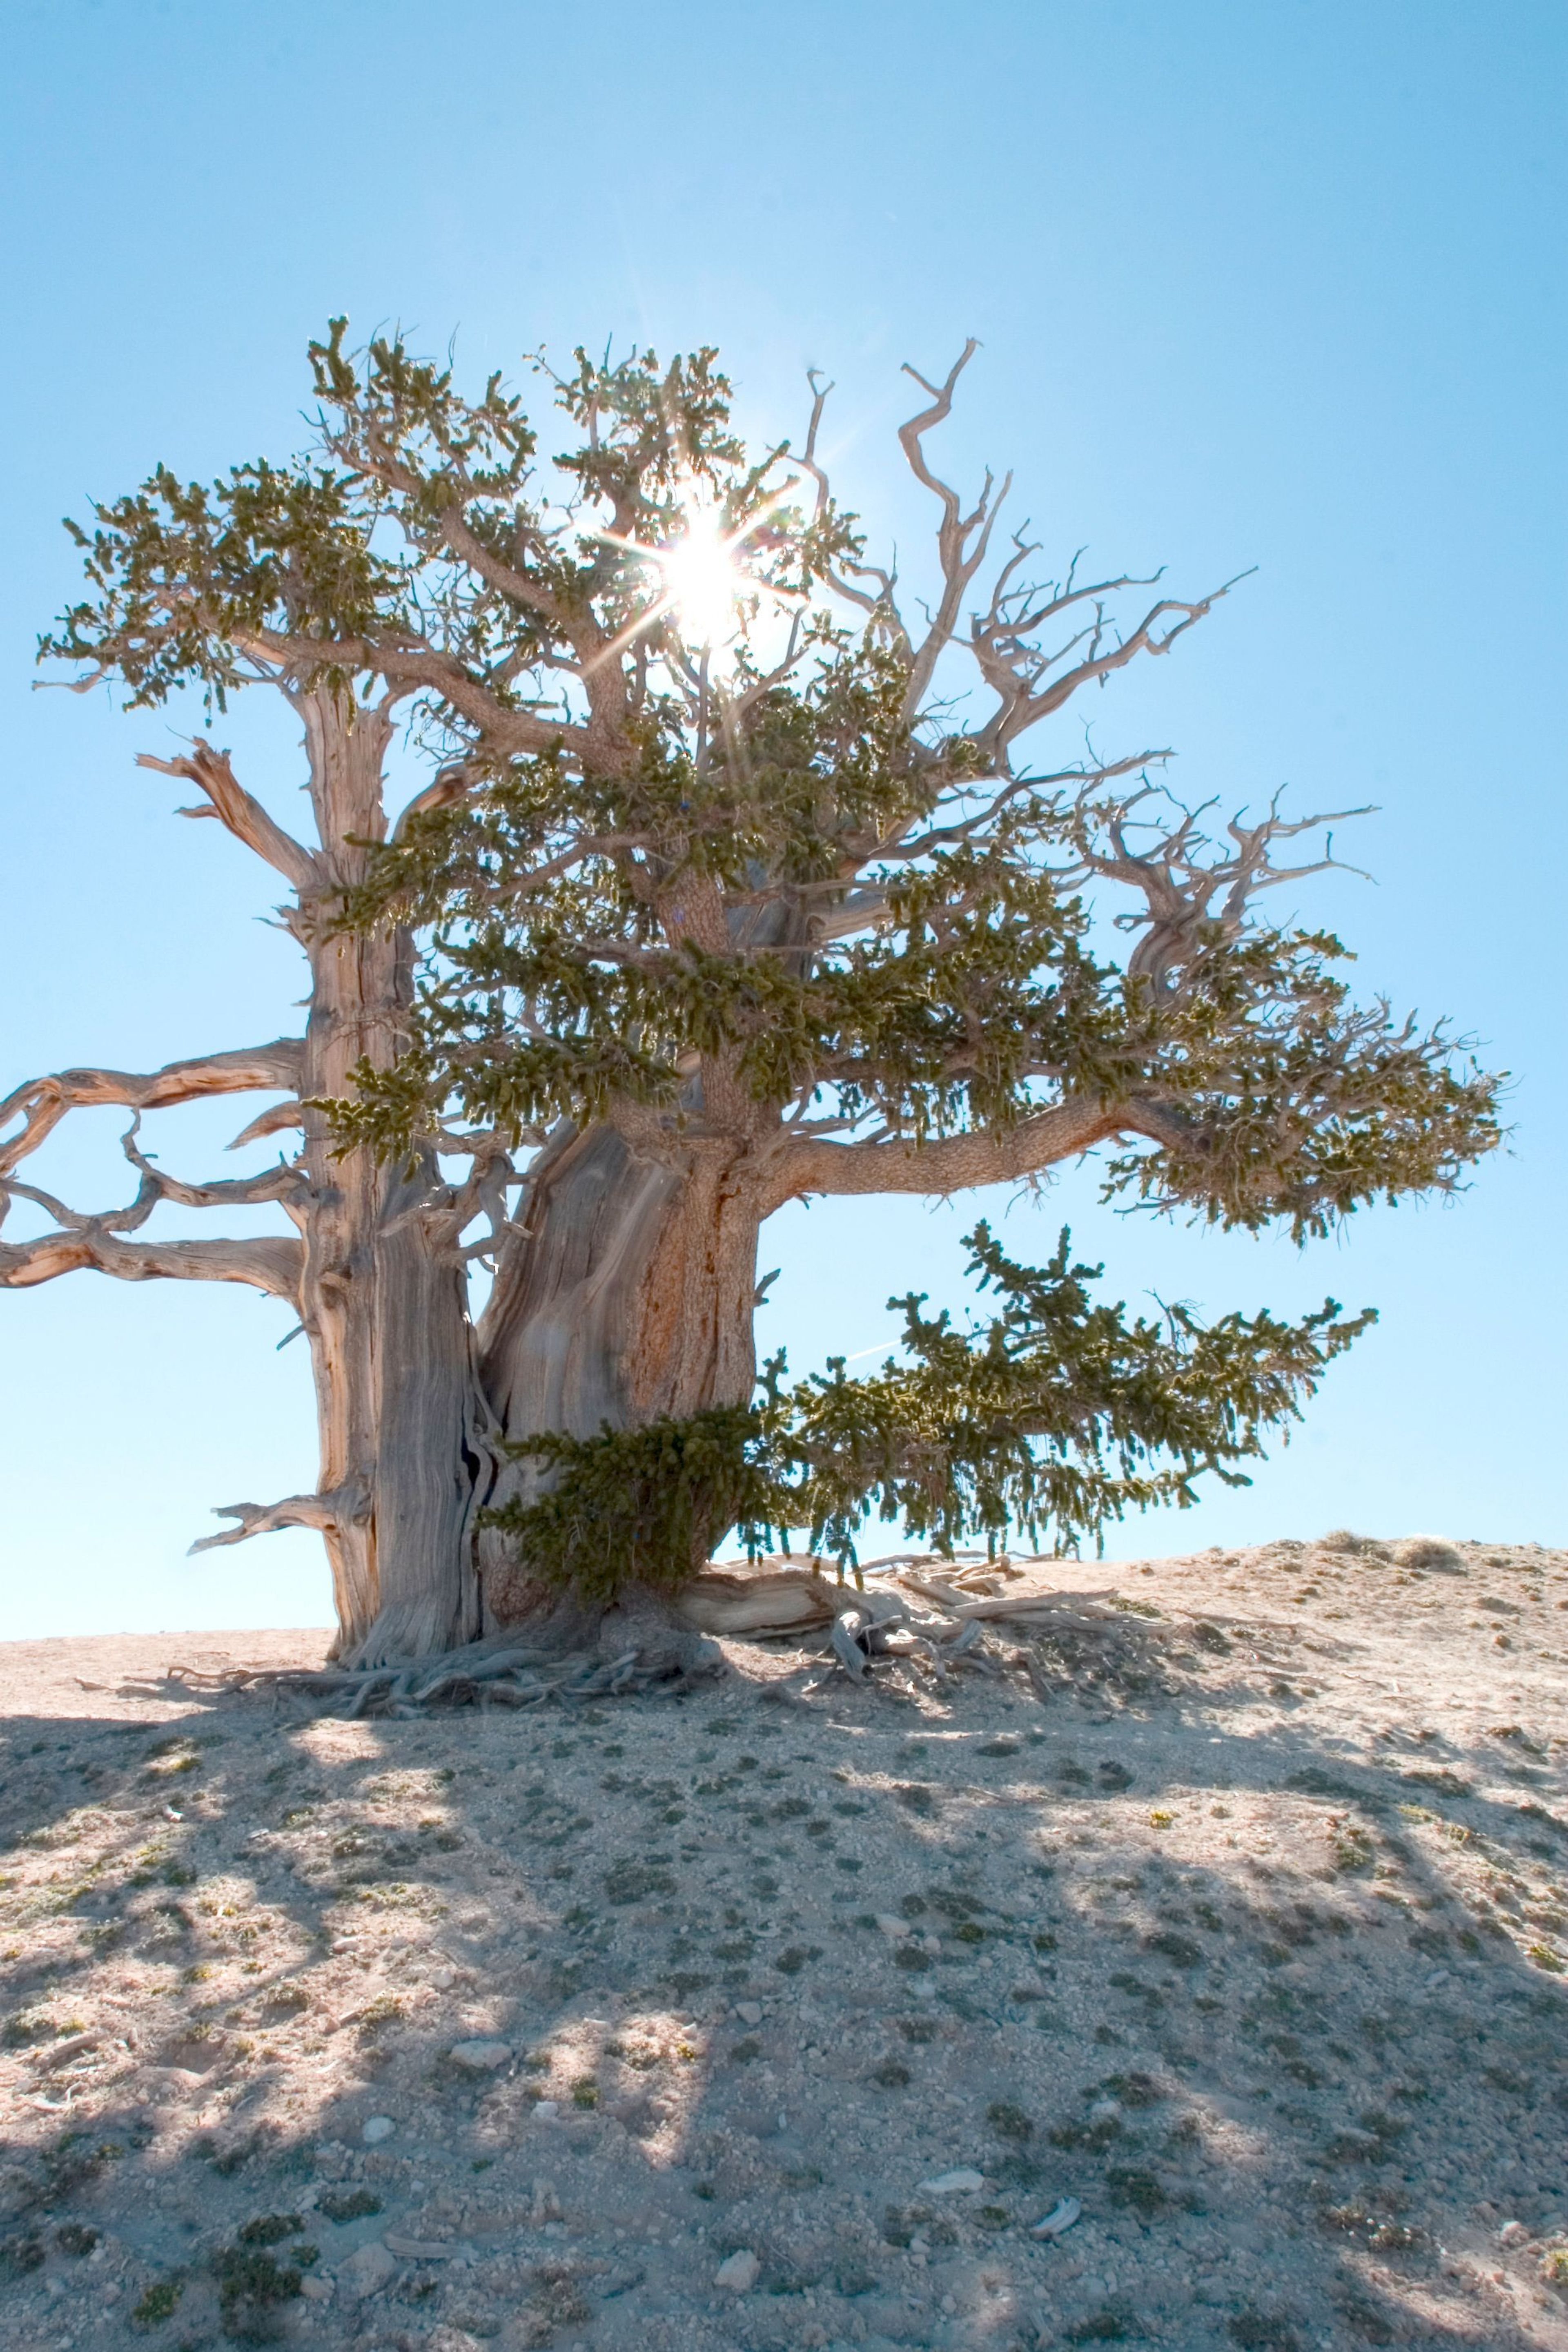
(933, 1589)
(847, 1649)
(775, 1600)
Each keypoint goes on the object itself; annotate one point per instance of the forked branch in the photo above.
(41, 1103)
(226, 799)
(963, 539)
(325, 1513)
(1194, 890)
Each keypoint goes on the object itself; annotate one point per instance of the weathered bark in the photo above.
(382, 1294)
(629, 1292)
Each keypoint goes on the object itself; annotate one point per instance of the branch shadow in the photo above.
(674, 1980)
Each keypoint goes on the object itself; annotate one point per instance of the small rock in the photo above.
(1104, 2111)
(547, 2110)
(315, 2290)
(954, 2184)
(379, 2128)
(367, 2271)
(891, 1926)
(739, 2272)
(748, 2011)
(480, 2057)
(1436, 1977)
(443, 1978)
(1512, 2234)
(1060, 2218)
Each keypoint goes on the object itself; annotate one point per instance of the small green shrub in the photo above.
(1107, 2326)
(347, 2204)
(20, 2255)
(159, 2303)
(1262, 2331)
(1138, 2190)
(252, 2284)
(270, 2229)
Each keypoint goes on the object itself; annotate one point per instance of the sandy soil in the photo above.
(1236, 1911)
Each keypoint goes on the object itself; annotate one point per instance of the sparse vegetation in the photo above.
(161, 2302)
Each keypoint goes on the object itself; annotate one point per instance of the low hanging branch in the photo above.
(1056, 1416)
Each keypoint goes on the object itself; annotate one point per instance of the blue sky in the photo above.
(1272, 285)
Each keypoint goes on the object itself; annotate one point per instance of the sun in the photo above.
(702, 580)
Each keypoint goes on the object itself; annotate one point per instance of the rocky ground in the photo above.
(1230, 1901)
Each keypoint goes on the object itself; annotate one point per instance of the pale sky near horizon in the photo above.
(1270, 285)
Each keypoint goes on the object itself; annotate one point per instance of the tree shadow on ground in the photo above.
(774, 1966)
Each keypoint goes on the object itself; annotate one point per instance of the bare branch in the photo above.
(950, 1163)
(42, 1103)
(274, 1266)
(962, 541)
(453, 784)
(286, 1182)
(269, 1122)
(325, 1512)
(1020, 673)
(483, 1193)
(212, 773)
(1180, 873)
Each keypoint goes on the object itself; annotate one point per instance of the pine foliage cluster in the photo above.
(1054, 1417)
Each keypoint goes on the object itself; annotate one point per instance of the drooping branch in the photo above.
(42, 1103)
(286, 1182)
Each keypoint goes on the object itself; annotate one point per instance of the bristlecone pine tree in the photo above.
(732, 886)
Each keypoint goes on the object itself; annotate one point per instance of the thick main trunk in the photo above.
(630, 1294)
(382, 1298)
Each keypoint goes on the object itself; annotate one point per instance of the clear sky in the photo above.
(1277, 285)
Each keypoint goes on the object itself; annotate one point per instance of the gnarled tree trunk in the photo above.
(402, 1420)
(629, 1292)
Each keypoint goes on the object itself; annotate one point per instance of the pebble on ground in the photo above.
(781, 2013)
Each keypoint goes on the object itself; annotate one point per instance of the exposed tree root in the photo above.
(948, 1616)
(484, 1673)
